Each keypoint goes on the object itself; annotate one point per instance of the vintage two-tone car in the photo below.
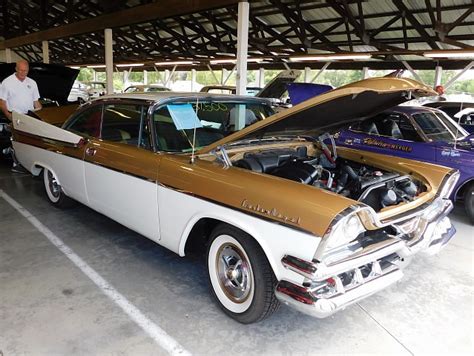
(265, 201)
(420, 133)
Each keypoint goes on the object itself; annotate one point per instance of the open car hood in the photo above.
(54, 81)
(278, 85)
(335, 108)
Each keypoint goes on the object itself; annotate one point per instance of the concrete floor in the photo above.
(48, 306)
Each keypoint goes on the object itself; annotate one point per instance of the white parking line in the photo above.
(154, 331)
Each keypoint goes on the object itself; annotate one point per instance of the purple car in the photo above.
(419, 133)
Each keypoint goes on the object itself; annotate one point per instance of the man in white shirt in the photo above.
(18, 92)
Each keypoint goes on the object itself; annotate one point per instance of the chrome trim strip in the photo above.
(50, 141)
(244, 211)
(121, 171)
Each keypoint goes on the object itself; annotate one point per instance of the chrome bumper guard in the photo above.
(329, 288)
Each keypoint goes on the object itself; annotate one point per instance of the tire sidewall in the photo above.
(469, 202)
(54, 200)
(263, 302)
(217, 242)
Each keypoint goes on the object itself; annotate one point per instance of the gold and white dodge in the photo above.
(284, 214)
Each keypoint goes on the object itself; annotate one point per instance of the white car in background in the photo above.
(78, 93)
(144, 88)
(96, 89)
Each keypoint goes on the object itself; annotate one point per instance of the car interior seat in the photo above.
(169, 138)
(389, 127)
(115, 134)
(369, 127)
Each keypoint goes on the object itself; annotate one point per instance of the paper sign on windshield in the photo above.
(184, 116)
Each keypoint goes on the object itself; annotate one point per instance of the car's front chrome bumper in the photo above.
(332, 286)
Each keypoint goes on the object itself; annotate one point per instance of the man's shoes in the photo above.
(17, 168)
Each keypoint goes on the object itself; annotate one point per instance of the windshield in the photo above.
(218, 119)
(439, 127)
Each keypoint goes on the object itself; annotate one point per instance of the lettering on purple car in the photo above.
(390, 146)
(450, 153)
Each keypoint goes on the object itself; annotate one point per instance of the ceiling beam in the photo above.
(293, 21)
(461, 18)
(137, 14)
(421, 30)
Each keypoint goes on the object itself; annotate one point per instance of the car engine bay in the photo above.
(372, 186)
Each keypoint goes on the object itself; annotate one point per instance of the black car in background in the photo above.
(4, 133)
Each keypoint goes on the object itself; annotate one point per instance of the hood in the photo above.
(334, 109)
(277, 86)
(54, 81)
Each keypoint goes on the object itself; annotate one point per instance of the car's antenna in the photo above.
(193, 145)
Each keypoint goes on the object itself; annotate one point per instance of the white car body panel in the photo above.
(131, 201)
(69, 171)
(179, 212)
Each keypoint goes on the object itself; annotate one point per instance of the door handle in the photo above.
(90, 151)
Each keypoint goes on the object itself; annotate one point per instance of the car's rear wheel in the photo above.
(54, 191)
(469, 202)
(241, 279)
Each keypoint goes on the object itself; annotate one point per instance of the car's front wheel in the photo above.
(54, 191)
(469, 202)
(241, 279)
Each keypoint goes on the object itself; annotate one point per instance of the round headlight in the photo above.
(346, 230)
(448, 186)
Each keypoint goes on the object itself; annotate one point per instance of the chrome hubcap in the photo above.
(234, 273)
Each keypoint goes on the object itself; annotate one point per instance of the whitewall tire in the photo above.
(240, 277)
(54, 191)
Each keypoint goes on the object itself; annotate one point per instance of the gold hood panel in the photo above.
(339, 106)
(283, 201)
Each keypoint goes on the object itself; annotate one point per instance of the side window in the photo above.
(408, 131)
(87, 123)
(368, 126)
(398, 127)
(168, 138)
(122, 123)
